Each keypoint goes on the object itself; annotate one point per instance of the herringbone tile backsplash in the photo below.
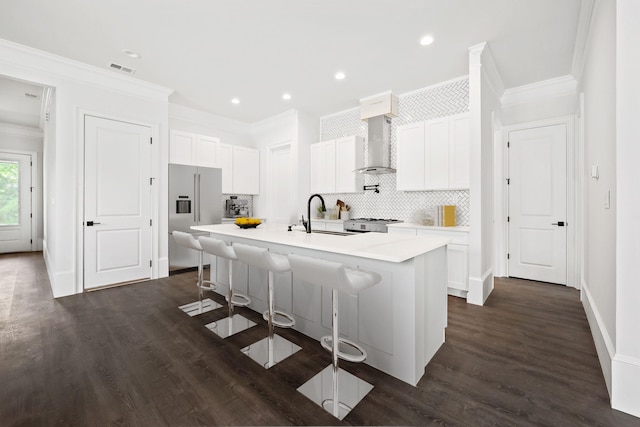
(432, 102)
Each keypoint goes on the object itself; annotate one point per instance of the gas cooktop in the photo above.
(368, 224)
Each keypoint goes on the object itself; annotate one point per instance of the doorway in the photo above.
(537, 203)
(16, 215)
(117, 202)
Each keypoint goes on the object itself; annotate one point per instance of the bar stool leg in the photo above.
(200, 281)
(334, 351)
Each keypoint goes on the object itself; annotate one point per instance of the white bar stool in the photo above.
(336, 390)
(201, 306)
(234, 323)
(272, 349)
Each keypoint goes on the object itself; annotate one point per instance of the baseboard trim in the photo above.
(625, 396)
(480, 288)
(602, 340)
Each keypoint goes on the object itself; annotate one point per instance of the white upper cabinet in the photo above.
(225, 160)
(333, 163)
(349, 157)
(459, 152)
(191, 149)
(434, 155)
(245, 170)
(410, 175)
(240, 165)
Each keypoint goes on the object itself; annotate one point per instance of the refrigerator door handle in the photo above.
(195, 198)
(199, 204)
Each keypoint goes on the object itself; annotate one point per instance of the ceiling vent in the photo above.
(122, 68)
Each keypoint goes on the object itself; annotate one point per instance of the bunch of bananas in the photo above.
(248, 221)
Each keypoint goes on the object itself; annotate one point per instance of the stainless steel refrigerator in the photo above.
(195, 198)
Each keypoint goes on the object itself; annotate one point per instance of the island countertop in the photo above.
(376, 246)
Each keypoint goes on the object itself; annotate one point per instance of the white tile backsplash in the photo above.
(436, 101)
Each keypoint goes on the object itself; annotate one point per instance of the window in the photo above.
(9, 193)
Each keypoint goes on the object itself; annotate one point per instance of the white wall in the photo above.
(199, 122)
(300, 130)
(599, 87)
(625, 395)
(84, 89)
(485, 90)
(25, 139)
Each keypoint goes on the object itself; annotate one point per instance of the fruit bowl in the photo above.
(247, 225)
(248, 222)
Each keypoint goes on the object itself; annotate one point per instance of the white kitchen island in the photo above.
(400, 321)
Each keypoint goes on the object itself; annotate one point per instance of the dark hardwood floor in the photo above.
(129, 356)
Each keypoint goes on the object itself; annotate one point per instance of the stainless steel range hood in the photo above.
(378, 147)
(378, 110)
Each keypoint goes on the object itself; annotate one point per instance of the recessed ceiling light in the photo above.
(340, 75)
(286, 96)
(426, 40)
(235, 101)
(131, 54)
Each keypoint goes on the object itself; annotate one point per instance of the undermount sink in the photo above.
(334, 233)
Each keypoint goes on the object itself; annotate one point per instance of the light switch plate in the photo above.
(607, 200)
(594, 172)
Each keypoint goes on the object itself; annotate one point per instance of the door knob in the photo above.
(91, 223)
(559, 223)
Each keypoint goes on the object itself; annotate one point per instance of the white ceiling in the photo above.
(211, 51)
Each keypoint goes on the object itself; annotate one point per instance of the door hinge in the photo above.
(508, 144)
(150, 140)
(150, 263)
(508, 219)
(508, 181)
(31, 241)
(507, 256)
(151, 222)
(150, 181)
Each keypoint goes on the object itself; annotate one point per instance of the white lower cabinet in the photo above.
(457, 254)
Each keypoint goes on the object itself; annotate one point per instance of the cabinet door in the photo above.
(334, 226)
(225, 161)
(459, 152)
(437, 154)
(410, 174)
(252, 171)
(182, 146)
(328, 183)
(206, 152)
(458, 266)
(349, 156)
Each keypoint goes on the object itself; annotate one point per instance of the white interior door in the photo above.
(15, 202)
(117, 196)
(538, 204)
(280, 185)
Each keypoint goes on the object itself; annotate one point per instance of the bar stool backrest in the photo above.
(261, 258)
(217, 247)
(332, 275)
(187, 240)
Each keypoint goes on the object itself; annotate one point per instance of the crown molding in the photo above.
(480, 55)
(17, 130)
(585, 20)
(546, 89)
(48, 65)
(192, 115)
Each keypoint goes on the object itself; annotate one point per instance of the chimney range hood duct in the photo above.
(378, 145)
(378, 110)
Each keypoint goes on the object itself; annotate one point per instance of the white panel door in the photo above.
(117, 194)
(410, 175)
(537, 204)
(15, 202)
